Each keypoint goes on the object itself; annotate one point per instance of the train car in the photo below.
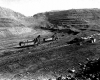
(34, 42)
(26, 43)
(37, 41)
(52, 38)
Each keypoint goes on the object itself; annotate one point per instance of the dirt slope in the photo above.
(76, 18)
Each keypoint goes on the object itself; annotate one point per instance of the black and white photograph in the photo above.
(49, 39)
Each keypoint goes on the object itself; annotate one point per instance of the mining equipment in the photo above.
(37, 41)
(52, 38)
(82, 40)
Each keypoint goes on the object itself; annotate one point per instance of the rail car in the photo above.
(52, 38)
(26, 43)
(37, 41)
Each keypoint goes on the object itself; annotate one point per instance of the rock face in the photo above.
(74, 18)
(9, 18)
(91, 14)
(7, 13)
(12, 23)
(71, 18)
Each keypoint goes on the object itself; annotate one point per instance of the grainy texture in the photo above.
(49, 59)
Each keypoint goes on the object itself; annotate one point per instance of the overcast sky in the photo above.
(31, 7)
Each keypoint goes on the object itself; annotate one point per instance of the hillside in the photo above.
(68, 18)
(7, 13)
(9, 18)
(13, 24)
(46, 58)
(74, 18)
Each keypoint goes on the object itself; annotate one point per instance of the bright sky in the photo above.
(31, 7)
